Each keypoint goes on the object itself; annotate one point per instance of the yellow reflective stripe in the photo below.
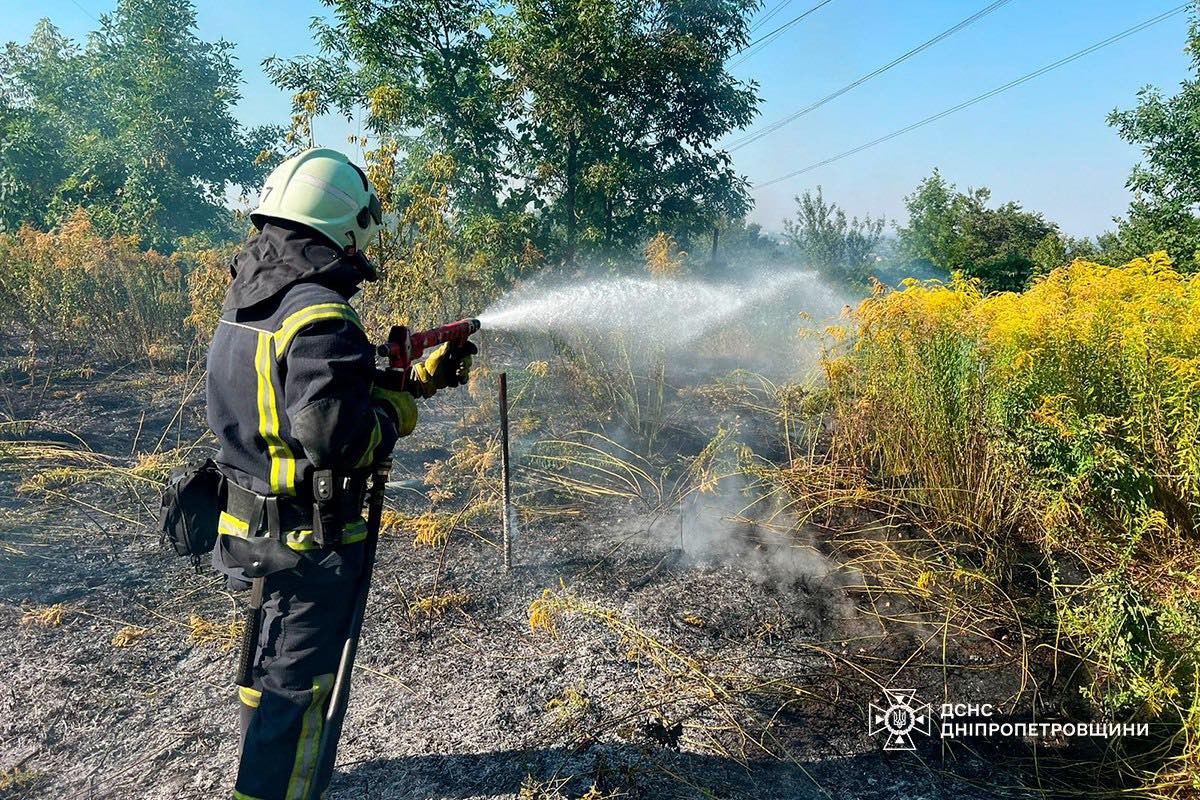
(352, 532)
(300, 540)
(402, 404)
(243, 796)
(251, 697)
(376, 436)
(304, 767)
(303, 540)
(283, 464)
(306, 316)
(232, 526)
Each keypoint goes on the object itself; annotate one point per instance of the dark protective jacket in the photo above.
(290, 378)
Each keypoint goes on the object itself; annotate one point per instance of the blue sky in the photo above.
(1044, 144)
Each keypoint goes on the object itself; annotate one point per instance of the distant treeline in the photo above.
(508, 137)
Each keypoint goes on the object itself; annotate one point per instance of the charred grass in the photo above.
(704, 604)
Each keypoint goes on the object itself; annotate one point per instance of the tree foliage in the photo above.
(597, 117)
(1166, 185)
(619, 106)
(136, 125)
(1057, 250)
(831, 242)
(418, 72)
(955, 231)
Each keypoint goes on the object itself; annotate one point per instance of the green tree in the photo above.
(620, 106)
(420, 71)
(933, 235)
(831, 242)
(1056, 250)
(597, 118)
(137, 125)
(1166, 185)
(951, 230)
(31, 165)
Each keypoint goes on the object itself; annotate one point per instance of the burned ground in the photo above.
(695, 650)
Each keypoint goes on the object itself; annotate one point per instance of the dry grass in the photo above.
(534, 789)
(129, 636)
(729, 697)
(555, 788)
(72, 290)
(435, 606)
(589, 466)
(45, 616)
(571, 706)
(18, 778)
(226, 636)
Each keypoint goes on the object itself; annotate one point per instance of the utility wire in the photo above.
(754, 136)
(766, 39)
(780, 6)
(987, 95)
(84, 10)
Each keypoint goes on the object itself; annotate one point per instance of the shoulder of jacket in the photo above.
(306, 304)
(307, 293)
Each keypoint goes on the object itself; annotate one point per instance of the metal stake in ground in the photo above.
(506, 505)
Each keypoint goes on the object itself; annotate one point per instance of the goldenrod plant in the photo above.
(664, 259)
(1066, 417)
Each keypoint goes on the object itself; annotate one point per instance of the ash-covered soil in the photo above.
(763, 649)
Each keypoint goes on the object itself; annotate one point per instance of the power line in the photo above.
(84, 10)
(754, 136)
(987, 95)
(778, 7)
(764, 41)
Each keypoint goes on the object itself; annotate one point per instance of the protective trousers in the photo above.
(305, 616)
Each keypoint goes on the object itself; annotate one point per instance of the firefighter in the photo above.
(295, 400)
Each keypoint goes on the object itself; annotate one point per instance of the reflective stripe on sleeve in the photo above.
(292, 324)
(368, 457)
(401, 403)
(282, 475)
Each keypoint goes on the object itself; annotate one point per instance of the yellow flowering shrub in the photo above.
(664, 259)
(208, 278)
(1069, 415)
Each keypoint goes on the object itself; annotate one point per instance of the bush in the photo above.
(98, 299)
(664, 259)
(438, 265)
(208, 276)
(74, 292)
(1067, 415)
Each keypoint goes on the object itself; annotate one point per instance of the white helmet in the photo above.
(320, 188)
